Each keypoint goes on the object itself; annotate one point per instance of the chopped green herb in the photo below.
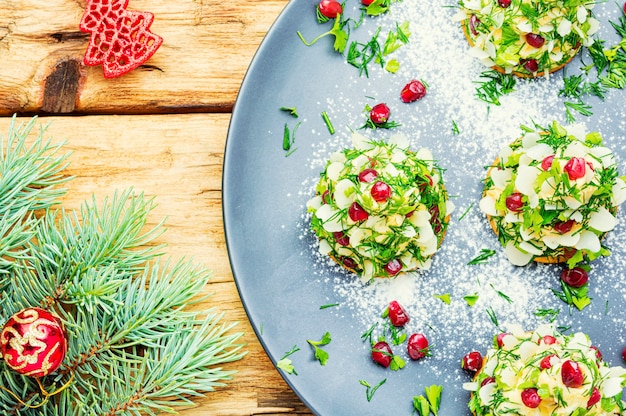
(286, 364)
(573, 296)
(320, 354)
(289, 138)
(445, 298)
(492, 315)
(361, 54)
(467, 210)
(291, 110)
(330, 305)
(328, 123)
(397, 363)
(338, 31)
(455, 128)
(471, 299)
(549, 314)
(367, 335)
(378, 7)
(494, 85)
(484, 255)
(580, 107)
(433, 394)
(502, 295)
(369, 392)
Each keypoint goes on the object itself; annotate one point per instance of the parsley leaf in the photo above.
(320, 354)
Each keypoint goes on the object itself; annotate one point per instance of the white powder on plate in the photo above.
(437, 54)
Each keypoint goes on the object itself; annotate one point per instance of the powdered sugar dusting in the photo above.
(437, 54)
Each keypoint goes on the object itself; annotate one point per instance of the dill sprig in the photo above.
(134, 346)
(493, 85)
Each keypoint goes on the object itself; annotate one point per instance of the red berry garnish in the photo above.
(598, 352)
(473, 24)
(504, 3)
(563, 227)
(546, 163)
(534, 40)
(330, 8)
(357, 213)
(500, 339)
(594, 398)
(487, 380)
(624, 354)
(576, 277)
(531, 398)
(393, 267)
(571, 374)
(531, 65)
(514, 202)
(397, 314)
(381, 353)
(417, 346)
(413, 91)
(368, 175)
(367, 2)
(547, 339)
(472, 361)
(341, 238)
(379, 114)
(381, 192)
(545, 362)
(576, 168)
(350, 263)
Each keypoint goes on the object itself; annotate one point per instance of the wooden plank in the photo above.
(207, 48)
(178, 160)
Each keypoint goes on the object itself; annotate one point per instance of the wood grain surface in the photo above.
(207, 48)
(160, 130)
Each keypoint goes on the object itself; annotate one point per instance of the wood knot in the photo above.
(61, 87)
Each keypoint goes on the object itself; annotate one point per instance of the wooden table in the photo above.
(160, 129)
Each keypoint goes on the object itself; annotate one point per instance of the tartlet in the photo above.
(552, 195)
(380, 209)
(528, 38)
(545, 373)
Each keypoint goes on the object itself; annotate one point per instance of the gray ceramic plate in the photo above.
(283, 283)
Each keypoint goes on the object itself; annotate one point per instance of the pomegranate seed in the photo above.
(341, 238)
(534, 40)
(576, 277)
(514, 202)
(330, 8)
(367, 2)
(473, 24)
(357, 213)
(397, 314)
(571, 374)
(531, 65)
(504, 3)
(575, 168)
(417, 346)
(368, 175)
(545, 362)
(531, 398)
(564, 227)
(487, 380)
(413, 91)
(379, 114)
(500, 339)
(381, 353)
(381, 192)
(472, 361)
(393, 267)
(598, 353)
(547, 339)
(350, 263)
(546, 163)
(594, 398)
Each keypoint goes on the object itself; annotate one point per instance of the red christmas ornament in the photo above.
(33, 342)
